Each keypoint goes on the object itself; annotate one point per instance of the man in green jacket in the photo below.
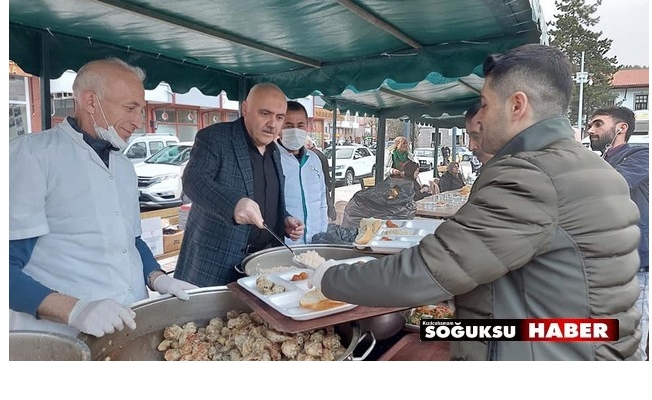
(540, 236)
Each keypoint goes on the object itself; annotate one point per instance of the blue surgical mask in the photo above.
(109, 134)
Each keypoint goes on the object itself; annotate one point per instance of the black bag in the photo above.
(392, 198)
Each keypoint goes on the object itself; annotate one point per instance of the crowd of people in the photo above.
(539, 237)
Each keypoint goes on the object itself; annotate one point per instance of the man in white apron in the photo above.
(75, 253)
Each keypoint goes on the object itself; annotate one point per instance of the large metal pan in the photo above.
(155, 314)
(46, 346)
(269, 260)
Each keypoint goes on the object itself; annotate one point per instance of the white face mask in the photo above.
(293, 138)
(110, 135)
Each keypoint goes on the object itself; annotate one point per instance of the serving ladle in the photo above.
(295, 258)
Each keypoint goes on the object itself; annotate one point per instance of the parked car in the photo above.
(143, 146)
(426, 157)
(351, 162)
(159, 177)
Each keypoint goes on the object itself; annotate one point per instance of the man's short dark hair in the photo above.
(619, 114)
(472, 111)
(542, 72)
(296, 106)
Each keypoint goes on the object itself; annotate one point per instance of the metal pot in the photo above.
(155, 314)
(275, 257)
(46, 346)
(384, 326)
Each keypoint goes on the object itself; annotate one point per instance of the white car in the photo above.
(351, 162)
(143, 146)
(426, 158)
(463, 153)
(159, 177)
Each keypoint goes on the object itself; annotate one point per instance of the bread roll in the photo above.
(368, 228)
(316, 301)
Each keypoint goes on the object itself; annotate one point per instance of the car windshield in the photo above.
(173, 155)
(341, 153)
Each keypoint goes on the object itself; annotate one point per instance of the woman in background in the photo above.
(411, 171)
(397, 155)
(452, 179)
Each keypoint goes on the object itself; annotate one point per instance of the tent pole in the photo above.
(44, 82)
(435, 170)
(380, 147)
(333, 140)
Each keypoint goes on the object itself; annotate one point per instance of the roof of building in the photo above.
(631, 78)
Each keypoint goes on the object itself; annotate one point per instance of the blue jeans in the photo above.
(643, 305)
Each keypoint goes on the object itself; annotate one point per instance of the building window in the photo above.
(19, 112)
(166, 116)
(63, 107)
(640, 102)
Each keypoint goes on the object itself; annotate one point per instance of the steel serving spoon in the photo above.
(295, 259)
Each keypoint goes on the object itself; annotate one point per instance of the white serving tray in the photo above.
(390, 240)
(428, 224)
(287, 303)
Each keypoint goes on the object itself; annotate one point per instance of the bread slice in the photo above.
(316, 301)
(368, 228)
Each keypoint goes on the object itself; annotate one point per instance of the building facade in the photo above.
(166, 112)
(632, 88)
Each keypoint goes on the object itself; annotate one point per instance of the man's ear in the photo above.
(88, 101)
(518, 105)
(243, 108)
(623, 128)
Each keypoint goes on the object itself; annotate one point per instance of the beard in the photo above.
(599, 143)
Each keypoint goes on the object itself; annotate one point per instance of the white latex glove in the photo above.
(315, 278)
(101, 317)
(167, 285)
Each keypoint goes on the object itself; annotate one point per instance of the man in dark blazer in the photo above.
(235, 181)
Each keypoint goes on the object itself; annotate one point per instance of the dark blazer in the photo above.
(217, 175)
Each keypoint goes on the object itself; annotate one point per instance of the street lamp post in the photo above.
(582, 78)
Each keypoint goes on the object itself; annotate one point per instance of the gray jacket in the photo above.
(540, 237)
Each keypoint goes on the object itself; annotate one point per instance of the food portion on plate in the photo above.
(368, 228)
(465, 190)
(300, 276)
(310, 258)
(267, 287)
(390, 224)
(389, 237)
(316, 301)
(441, 310)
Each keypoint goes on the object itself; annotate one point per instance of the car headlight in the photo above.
(339, 167)
(161, 178)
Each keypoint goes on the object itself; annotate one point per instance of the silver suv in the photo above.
(159, 177)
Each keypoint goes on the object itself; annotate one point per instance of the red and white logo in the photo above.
(539, 330)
